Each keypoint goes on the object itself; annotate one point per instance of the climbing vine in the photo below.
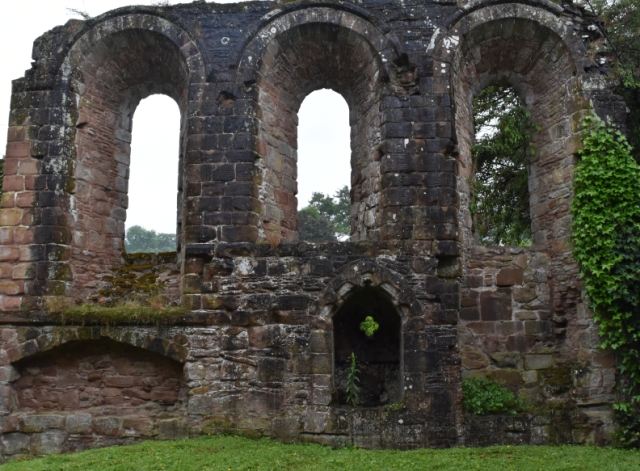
(606, 238)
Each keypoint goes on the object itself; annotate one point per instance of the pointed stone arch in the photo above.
(368, 273)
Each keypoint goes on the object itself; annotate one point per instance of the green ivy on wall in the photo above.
(606, 238)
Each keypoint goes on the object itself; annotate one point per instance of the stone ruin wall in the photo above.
(260, 351)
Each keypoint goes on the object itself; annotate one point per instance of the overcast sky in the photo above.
(323, 158)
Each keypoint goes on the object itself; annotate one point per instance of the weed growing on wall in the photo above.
(352, 380)
(369, 326)
(486, 396)
(606, 238)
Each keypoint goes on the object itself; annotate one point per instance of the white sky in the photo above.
(324, 150)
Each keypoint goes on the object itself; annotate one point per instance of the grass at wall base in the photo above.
(229, 453)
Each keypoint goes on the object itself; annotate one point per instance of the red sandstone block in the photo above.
(13, 354)
(136, 393)
(4, 358)
(5, 270)
(11, 166)
(8, 200)
(11, 287)
(10, 424)
(111, 392)
(9, 254)
(30, 182)
(167, 397)
(11, 216)
(16, 133)
(22, 235)
(27, 255)
(24, 271)
(114, 400)
(510, 277)
(27, 218)
(142, 425)
(151, 382)
(8, 335)
(25, 199)
(13, 183)
(28, 167)
(18, 149)
(119, 381)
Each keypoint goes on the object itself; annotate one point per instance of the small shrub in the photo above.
(486, 396)
(369, 326)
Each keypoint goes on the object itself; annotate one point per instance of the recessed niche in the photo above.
(378, 356)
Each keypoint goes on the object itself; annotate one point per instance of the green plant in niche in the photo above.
(396, 406)
(352, 379)
(606, 245)
(485, 396)
(369, 326)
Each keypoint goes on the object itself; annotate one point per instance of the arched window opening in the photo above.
(302, 60)
(377, 356)
(153, 179)
(324, 167)
(499, 184)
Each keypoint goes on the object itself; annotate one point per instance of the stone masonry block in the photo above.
(496, 305)
(510, 277)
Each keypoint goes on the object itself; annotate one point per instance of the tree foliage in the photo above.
(326, 218)
(499, 189)
(313, 227)
(619, 22)
(606, 238)
(139, 239)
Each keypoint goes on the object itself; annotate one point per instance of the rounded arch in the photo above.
(479, 4)
(173, 346)
(108, 71)
(381, 38)
(195, 55)
(532, 50)
(291, 56)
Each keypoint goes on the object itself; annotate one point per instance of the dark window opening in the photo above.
(499, 185)
(378, 356)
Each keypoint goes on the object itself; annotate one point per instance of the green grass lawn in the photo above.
(226, 453)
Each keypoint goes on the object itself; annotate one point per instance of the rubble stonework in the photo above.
(261, 349)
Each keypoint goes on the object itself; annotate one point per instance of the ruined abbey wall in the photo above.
(269, 320)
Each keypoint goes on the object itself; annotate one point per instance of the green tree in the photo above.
(336, 209)
(326, 218)
(139, 239)
(313, 227)
(618, 21)
(499, 188)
